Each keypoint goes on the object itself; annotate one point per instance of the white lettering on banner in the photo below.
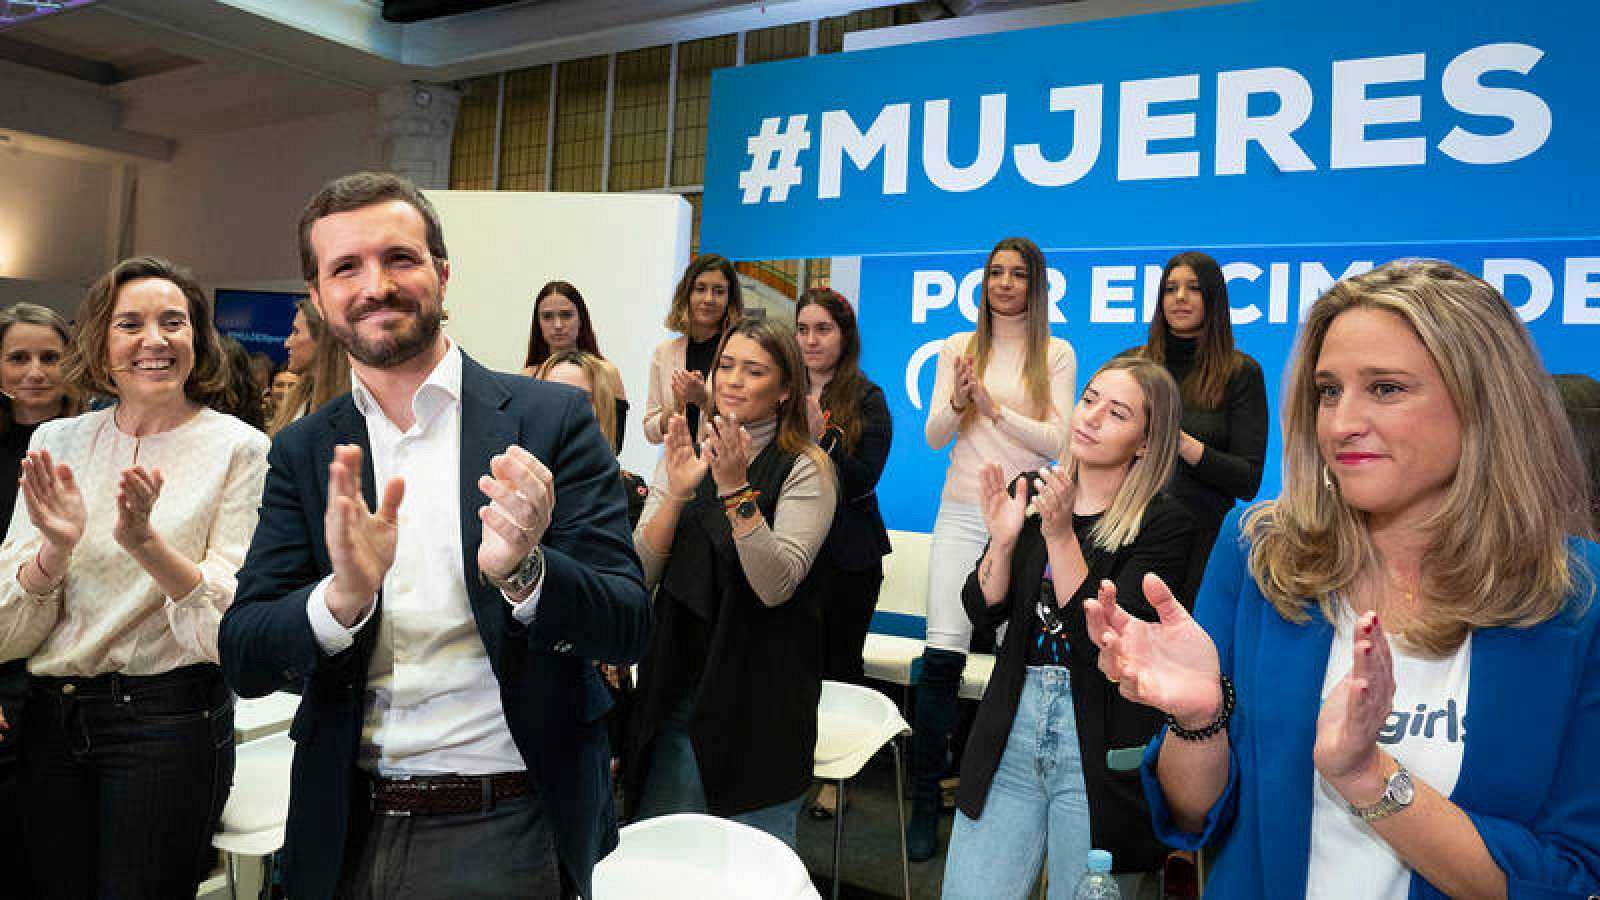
(1137, 127)
(1354, 111)
(1278, 292)
(936, 145)
(1581, 287)
(1104, 291)
(776, 159)
(1083, 101)
(1464, 90)
(1274, 133)
(1315, 279)
(1242, 315)
(968, 294)
(888, 135)
(1541, 287)
(914, 369)
(930, 289)
(1152, 291)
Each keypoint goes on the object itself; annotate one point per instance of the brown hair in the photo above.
(1497, 552)
(602, 396)
(359, 191)
(678, 313)
(1580, 396)
(843, 395)
(327, 377)
(777, 339)
(1216, 360)
(538, 347)
(1036, 363)
(86, 365)
(44, 317)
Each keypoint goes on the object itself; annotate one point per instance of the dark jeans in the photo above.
(847, 609)
(123, 782)
(13, 860)
(506, 852)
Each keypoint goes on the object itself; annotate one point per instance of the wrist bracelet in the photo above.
(725, 497)
(746, 494)
(1217, 724)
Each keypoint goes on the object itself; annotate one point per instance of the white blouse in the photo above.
(109, 615)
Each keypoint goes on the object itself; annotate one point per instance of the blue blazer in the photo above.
(592, 606)
(1527, 778)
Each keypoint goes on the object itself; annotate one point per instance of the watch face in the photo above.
(1401, 789)
(746, 509)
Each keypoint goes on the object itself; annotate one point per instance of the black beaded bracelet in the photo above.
(1217, 724)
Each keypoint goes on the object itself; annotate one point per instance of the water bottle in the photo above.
(1097, 883)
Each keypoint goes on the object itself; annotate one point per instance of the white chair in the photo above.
(257, 717)
(903, 598)
(258, 806)
(975, 677)
(853, 723)
(695, 857)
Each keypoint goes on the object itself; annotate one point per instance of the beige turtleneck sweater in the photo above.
(776, 558)
(1019, 440)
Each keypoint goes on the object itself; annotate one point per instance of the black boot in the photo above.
(930, 746)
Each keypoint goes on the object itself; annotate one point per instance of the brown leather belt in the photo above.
(443, 795)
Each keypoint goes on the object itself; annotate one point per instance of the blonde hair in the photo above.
(601, 394)
(1036, 362)
(1497, 553)
(1148, 474)
(327, 377)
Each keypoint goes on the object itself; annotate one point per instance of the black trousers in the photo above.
(506, 852)
(123, 782)
(847, 607)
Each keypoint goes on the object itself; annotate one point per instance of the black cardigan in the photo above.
(753, 672)
(858, 539)
(1119, 819)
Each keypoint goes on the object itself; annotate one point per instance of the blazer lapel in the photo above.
(1512, 722)
(345, 425)
(1290, 663)
(487, 428)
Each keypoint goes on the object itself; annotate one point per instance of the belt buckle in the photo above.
(372, 798)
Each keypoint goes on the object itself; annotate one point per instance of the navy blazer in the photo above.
(1527, 773)
(857, 539)
(592, 606)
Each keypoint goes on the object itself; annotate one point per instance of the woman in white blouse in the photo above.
(118, 564)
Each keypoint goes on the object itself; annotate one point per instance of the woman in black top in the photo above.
(561, 324)
(850, 419)
(1051, 766)
(1224, 439)
(33, 342)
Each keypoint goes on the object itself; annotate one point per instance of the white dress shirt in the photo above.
(433, 702)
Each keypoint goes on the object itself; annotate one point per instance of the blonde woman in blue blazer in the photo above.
(1425, 724)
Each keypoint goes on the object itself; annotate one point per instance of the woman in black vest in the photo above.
(1051, 768)
(1224, 439)
(850, 420)
(726, 720)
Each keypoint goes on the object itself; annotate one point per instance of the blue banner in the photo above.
(1101, 301)
(1269, 123)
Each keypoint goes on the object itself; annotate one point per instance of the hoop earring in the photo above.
(1327, 481)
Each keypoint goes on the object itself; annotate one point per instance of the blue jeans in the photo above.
(1036, 802)
(123, 782)
(673, 785)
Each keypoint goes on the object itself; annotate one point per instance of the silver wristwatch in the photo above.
(1398, 793)
(524, 576)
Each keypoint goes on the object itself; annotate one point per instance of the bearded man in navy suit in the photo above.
(440, 555)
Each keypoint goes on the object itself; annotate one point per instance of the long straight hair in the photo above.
(1497, 550)
(538, 347)
(1148, 472)
(845, 390)
(1036, 363)
(602, 396)
(327, 377)
(777, 339)
(1216, 359)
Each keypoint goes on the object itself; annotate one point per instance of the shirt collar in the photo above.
(440, 388)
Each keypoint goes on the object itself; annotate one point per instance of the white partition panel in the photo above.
(623, 252)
